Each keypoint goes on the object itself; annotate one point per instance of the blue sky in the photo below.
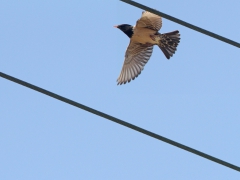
(72, 49)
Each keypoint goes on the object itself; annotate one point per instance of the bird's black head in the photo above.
(126, 28)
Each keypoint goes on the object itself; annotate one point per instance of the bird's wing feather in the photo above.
(136, 56)
(150, 20)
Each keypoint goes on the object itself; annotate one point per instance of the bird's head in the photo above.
(126, 28)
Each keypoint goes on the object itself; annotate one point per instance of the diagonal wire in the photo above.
(116, 120)
(221, 38)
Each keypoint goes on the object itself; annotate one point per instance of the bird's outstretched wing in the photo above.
(136, 56)
(150, 20)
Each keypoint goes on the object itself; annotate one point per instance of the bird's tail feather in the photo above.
(168, 43)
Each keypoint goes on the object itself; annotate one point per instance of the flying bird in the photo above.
(143, 36)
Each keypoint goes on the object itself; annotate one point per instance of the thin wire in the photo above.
(116, 120)
(221, 38)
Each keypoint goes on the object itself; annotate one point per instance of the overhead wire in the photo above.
(116, 120)
(171, 18)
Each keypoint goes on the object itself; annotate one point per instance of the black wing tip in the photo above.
(125, 82)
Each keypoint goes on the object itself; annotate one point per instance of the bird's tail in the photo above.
(168, 43)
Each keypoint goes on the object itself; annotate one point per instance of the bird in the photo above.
(143, 36)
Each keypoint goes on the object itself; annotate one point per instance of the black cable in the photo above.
(221, 38)
(116, 120)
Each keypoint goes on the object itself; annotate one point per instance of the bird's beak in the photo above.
(115, 26)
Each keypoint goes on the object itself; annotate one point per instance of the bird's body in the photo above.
(143, 37)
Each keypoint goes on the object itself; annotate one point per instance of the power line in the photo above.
(221, 38)
(116, 120)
